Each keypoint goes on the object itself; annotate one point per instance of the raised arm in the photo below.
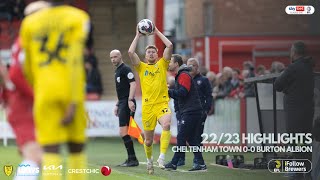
(135, 60)
(169, 46)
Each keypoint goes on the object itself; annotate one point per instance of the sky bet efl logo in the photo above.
(300, 10)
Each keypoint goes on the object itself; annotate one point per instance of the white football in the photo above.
(146, 27)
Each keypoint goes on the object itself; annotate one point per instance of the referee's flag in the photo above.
(134, 130)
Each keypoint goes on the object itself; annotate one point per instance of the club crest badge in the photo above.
(8, 169)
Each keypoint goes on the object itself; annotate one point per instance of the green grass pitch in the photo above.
(111, 152)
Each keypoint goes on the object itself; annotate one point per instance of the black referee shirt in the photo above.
(123, 77)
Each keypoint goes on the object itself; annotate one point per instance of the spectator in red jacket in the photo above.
(238, 92)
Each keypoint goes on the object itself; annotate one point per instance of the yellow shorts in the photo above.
(152, 113)
(48, 116)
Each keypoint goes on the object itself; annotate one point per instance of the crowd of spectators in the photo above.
(11, 9)
(230, 82)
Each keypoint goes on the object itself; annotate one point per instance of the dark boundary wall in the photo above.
(252, 124)
(316, 145)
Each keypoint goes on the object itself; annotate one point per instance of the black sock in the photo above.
(129, 146)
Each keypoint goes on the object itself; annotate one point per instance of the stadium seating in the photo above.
(113, 29)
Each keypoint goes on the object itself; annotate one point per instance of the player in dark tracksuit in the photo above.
(205, 92)
(177, 58)
(188, 102)
(204, 89)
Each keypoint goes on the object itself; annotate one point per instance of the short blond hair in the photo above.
(151, 47)
(35, 6)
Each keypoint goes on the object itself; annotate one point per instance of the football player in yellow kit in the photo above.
(155, 98)
(53, 41)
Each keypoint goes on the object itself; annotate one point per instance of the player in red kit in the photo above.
(18, 98)
(17, 95)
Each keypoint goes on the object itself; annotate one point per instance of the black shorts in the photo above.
(124, 112)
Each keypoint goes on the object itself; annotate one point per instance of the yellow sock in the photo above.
(51, 166)
(148, 151)
(164, 141)
(76, 161)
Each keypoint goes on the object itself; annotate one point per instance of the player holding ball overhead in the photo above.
(155, 98)
(146, 27)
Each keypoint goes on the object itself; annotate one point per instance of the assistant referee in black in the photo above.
(126, 87)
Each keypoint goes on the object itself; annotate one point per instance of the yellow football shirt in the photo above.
(153, 81)
(53, 41)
